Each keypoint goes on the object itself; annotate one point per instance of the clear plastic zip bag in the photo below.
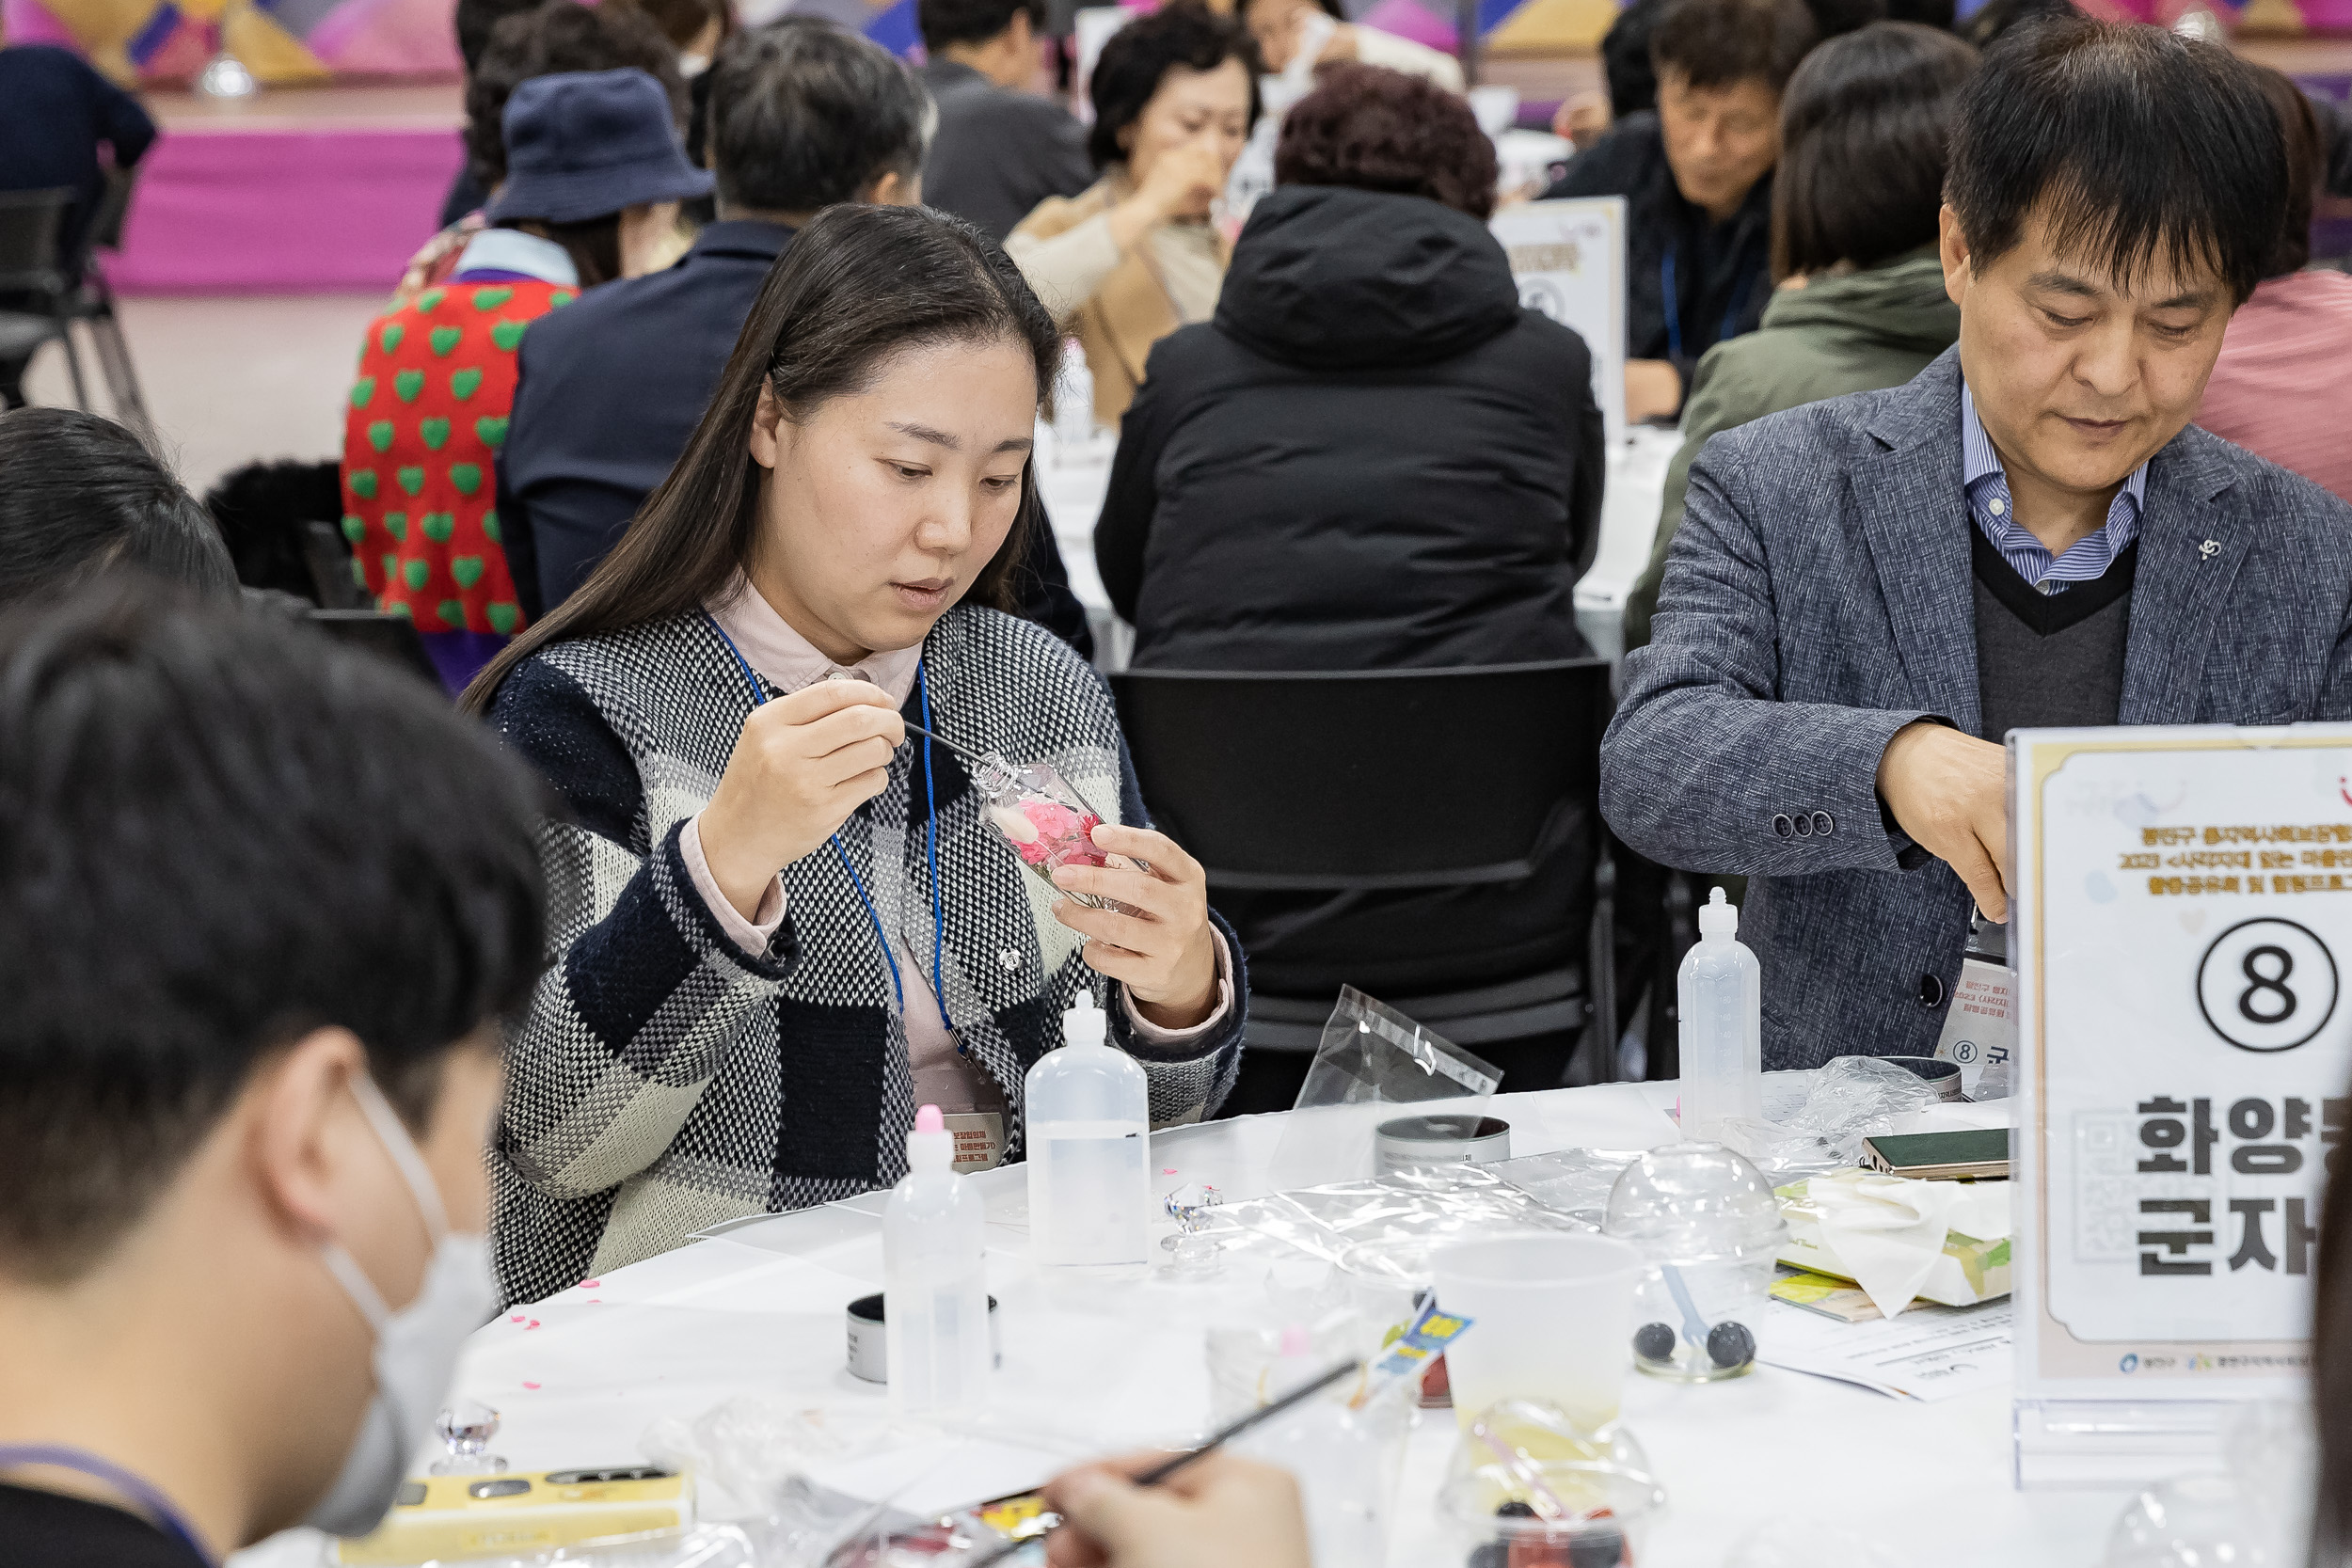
(1372, 1059)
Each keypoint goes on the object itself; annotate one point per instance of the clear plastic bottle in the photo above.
(1073, 400)
(934, 1277)
(1721, 999)
(1089, 1138)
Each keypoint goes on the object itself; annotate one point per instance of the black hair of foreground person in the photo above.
(220, 833)
(860, 283)
(80, 496)
(2137, 149)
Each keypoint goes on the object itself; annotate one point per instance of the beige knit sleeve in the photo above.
(1066, 269)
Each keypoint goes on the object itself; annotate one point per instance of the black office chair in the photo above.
(393, 638)
(92, 300)
(1326, 782)
(35, 306)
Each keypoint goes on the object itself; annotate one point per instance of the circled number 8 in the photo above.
(2268, 985)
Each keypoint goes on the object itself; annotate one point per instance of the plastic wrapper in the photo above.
(1380, 1231)
(1851, 1097)
(704, 1545)
(1572, 1183)
(750, 1458)
(1371, 1057)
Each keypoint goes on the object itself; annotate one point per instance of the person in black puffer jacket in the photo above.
(1371, 457)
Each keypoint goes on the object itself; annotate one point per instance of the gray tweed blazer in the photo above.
(1818, 600)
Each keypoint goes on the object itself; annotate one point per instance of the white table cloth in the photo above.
(582, 1376)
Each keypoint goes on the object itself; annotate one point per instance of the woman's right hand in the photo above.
(801, 766)
(1183, 181)
(1219, 1511)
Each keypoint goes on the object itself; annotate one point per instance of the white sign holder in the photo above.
(2182, 921)
(1569, 258)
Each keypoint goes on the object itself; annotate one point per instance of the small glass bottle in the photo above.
(1048, 823)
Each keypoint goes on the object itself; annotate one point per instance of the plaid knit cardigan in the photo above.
(663, 1079)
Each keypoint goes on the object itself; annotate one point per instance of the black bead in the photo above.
(1514, 1509)
(1601, 1547)
(1654, 1342)
(1730, 1344)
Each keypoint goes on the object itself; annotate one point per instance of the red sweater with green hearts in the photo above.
(428, 413)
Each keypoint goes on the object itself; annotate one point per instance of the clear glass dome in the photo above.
(1709, 1230)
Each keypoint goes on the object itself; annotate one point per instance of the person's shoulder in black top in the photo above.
(48, 1529)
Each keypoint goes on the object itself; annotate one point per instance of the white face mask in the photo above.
(416, 1349)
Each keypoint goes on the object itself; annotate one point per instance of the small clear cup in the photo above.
(1601, 1514)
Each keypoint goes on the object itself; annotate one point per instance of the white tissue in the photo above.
(1888, 1230)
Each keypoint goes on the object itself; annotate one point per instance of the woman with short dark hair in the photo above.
(80, 496)
(782, 916)
(1135, 257)
(1860, 305)
(1371, 458)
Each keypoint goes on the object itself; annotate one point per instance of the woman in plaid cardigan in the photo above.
(781, 921)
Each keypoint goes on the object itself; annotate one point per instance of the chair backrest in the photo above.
(105, 224)
(390, 637)
(30, 222)
(1370, 779)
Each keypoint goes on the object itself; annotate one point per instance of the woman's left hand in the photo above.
(1165, 954)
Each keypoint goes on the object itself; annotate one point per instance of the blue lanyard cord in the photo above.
(161, 1514)
(931, 803)
(1674, 306)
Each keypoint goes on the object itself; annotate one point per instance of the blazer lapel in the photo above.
(1914, 516)
(2190, 549)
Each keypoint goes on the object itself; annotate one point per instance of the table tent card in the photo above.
(2183, 917)
(1569, 258)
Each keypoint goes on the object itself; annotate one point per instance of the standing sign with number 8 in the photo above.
(2268, 985)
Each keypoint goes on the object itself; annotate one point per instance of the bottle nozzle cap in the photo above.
(928, 1119)
(1084, 1023)
(1718, 916)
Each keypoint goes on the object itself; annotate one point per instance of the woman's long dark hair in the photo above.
(856, 286)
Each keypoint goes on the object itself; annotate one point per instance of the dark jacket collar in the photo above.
(739, 237)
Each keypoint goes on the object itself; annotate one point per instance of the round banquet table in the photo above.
(758, 1310)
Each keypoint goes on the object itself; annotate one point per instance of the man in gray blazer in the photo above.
(1868, 593)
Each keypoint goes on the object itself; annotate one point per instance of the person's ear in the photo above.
(296, 1106)
(894, 189)
(1952, 246)
(767, 438)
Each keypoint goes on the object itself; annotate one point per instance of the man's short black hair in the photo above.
(2139, 148)
(1866, 129)
(1721, 43)
(80, 496)
(950, 22)
(219, 831)
(552, 36)
(804, 114)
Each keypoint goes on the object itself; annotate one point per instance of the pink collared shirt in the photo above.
(2286, 363)
(943, 1076)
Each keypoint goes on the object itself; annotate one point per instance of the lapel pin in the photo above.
(2210, 549)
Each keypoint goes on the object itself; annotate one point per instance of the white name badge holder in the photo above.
(2183, 911)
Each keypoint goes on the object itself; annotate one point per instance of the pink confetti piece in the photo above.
(516, 1319)
(532, 1385)
(591, 1283)
(533, 1323)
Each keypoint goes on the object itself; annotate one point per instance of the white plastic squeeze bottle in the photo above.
(1721, 1002)
(934, 1283)
(1088, 1122)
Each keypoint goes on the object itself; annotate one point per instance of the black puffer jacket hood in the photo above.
(1330, 278)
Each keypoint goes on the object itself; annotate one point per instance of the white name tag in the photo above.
(1980, 1031)
(979, 1139)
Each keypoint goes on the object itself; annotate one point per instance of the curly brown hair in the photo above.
(1380, 130)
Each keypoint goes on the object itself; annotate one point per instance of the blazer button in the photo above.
(1931, 991)
(1824, 824)
(1783, 827)
(1803, 825)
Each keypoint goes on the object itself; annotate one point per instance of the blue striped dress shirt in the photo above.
(1989, 504)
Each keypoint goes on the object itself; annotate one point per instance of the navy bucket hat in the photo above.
(582, 144)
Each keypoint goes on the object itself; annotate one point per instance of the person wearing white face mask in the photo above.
(260, 900)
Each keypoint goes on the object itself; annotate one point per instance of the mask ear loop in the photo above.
(402, 1148)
